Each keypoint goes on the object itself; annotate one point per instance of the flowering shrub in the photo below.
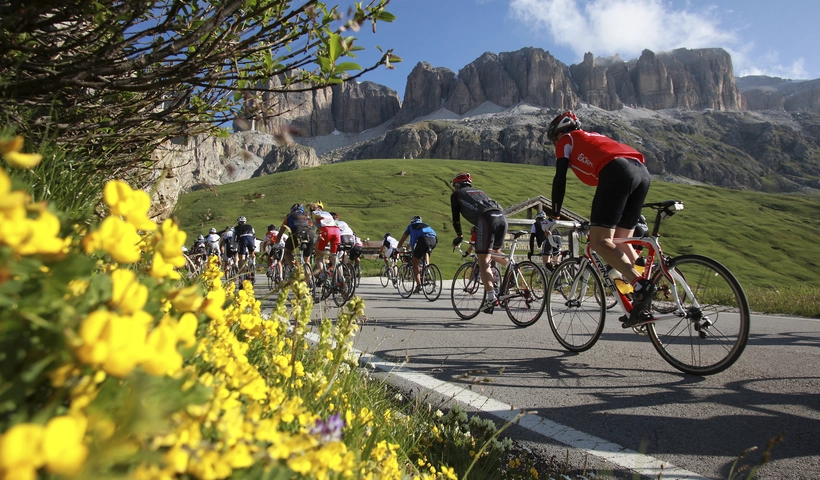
(110, 365)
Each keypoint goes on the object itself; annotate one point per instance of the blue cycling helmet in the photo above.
(415, 219)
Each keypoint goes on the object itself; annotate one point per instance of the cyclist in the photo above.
(491, 228)
(548, 242)
(269, 247)
(229, 247)
(212, 242)
(355, 254)
(328, 235)
(622, 181)
(300, 226)
(422, 242)
(245, 238)
(346, 235)
(199, 250)
(389, 250)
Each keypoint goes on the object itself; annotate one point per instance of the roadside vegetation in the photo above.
(760, 237)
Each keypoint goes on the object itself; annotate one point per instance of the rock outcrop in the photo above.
(205, 161)
(773, 93)
(350, 107)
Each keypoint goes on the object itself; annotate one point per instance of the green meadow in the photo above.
(768, 241)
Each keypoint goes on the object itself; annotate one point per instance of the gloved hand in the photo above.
(381, 256)
(457, 241)
(464, 254)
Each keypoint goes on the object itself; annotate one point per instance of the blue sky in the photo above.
(764, 37)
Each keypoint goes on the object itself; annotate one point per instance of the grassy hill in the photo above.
(761, 237)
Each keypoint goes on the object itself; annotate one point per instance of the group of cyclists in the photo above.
(617, 171)
(318, 233)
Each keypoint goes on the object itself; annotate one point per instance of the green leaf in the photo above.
(345, 67)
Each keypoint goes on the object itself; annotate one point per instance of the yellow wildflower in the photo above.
(162, 357)
(117, 238)
(129, 203)
(42, 238)
(20, 450)
(11, 152)
(128, 295)
(186, 299)
(162, 269)
(63, 446)
(186, 329)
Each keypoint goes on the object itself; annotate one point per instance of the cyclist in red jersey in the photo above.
(622, 181)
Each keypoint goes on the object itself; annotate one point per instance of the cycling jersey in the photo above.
(418, 230)
(472, 203)
(344, 228)
(298, 222)
(589, 152)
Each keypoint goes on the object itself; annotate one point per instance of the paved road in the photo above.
(619, 398)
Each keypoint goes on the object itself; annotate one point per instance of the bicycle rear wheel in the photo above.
(342, 286)
(406, 282)
(714, 330)
(467, 292)
(524, 290)
(431, 282)
(575, 314)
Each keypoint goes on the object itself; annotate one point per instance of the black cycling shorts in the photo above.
(297, 238)
(622, 187)
(355, 252)
(423, 246)
(491, 228)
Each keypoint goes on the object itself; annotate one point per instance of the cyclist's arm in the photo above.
(559, 185)
(401, 241)
(454, 206)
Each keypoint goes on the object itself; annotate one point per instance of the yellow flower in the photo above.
(162, 269)
(186, 329)
(93, 351)
(63, 447)
(117, 238)
(11, 152)
(162, 357)
(126, 339)
(129, 203)
(20, 448)
(128, 294)
(186, 299)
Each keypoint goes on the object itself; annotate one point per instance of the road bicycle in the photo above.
(700, 313)
(335, 281)
(521, 292)
(387, 274)
(248, 271)
(289, 269)
(431, 281)
(353, 269)
(274, 272)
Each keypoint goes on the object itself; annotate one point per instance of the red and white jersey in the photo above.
(323, 219)
(588, 153)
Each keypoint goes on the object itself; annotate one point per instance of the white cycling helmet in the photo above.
(566, 122)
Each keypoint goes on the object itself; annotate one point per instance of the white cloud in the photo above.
(625, 27)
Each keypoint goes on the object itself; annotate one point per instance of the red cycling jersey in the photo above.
(588, 153)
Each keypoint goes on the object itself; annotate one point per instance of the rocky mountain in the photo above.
(684, 109)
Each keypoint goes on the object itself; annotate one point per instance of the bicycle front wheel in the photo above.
(384, 275)
(431, 282)
(714, 327)
(524, 292)
(467, 292)
(406, 282)
(574, 310)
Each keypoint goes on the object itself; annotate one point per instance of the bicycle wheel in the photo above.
(406, 282)
(714, 330)
(384, 275)
(575, 316)
(342, 281)
(467, 292)
(523, 293)
(431, 282)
